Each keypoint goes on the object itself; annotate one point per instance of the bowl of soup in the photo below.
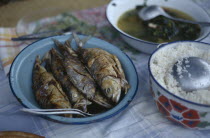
(145, 36)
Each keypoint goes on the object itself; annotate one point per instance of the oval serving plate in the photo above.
(20, 78)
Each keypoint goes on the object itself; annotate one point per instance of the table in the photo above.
(140, 119)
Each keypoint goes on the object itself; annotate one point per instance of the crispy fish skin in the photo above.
(48, 92)
(81, 70)
(98, 98)
(77, 73)
(101, 67)
(97, 59)
(76, 98)
(105, 69)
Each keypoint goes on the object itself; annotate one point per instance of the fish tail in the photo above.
(68, 41)
(80, 42)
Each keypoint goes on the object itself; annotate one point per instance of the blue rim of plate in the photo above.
(165, 90)
(79, 121)
(148, 42)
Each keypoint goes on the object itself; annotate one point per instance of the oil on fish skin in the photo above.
(77, 73)
(73, 61)
(99, 97)
(105, 69)
(48, 91)
(56, 64)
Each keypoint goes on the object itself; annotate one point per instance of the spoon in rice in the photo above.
(192, 73)
(150, 12)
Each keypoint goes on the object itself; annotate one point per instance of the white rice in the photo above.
(163, 61)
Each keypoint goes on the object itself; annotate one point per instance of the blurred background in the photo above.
(12, 10)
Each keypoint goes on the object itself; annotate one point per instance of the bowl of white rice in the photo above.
(190, 109)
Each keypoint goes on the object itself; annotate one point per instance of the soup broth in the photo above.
(159, 29)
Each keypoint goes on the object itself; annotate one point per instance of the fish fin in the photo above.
(102, 100)
(53, 51)
(37, 60)
(80, 42)
(68, 41)
(82, 105)
(57, 43)
(118, 68)
(46, 57)
(47, 60)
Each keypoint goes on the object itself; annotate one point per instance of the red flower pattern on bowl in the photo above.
(188, 113)
(176, 112)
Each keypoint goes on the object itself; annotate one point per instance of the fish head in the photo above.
(112, 88)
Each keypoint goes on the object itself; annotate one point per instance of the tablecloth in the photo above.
(140, 119)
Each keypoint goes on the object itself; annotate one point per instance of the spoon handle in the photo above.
(187, 21)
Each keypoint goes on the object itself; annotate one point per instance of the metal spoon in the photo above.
(150, 12)
(192, 73)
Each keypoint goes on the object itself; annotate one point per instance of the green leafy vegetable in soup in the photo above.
(159, 29)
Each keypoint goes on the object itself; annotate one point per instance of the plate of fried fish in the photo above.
(76, 72)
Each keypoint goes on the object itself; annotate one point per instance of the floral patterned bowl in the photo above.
(187, 113)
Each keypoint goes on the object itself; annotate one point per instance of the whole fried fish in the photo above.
(105, 69)
(79, 75)
(48, 91)
(55, 61)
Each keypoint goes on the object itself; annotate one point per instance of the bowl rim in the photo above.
(77, 121)
(165, 90)
(148, 42)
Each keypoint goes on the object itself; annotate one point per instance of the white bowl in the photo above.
(117, 7)
(189, 114)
